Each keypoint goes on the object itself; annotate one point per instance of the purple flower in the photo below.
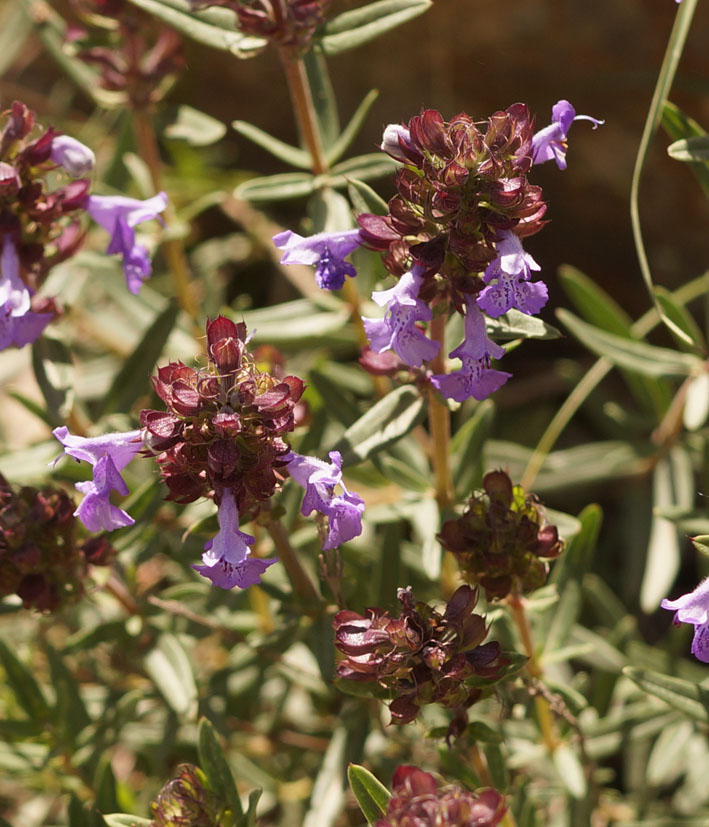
(18, 324)
(550, 143)
(327, 251)
(319, 479)
(510, 272)
(397, 331)
(71, 154)
(108, 454)
(226, 557)
(118, 215)
(694, 608)
(476, 378)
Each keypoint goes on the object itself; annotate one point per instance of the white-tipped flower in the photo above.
(76, 158)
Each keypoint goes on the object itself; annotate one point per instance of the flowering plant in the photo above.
(310, 478)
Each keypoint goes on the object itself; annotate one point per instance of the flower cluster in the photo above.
(222, 435)
(452, 236)
(418, 801)
(136, 57)
(289, 24)
(694, 608)
(43, 558)
(185, 801)
(501, 540)
(422, 656)
(40, 227)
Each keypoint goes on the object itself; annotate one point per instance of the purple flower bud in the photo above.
(395, 140)
(550, 143)
(476, 378)
(344, 511)
(108, 454)
(694, 608)
(119, 215)
(327, 251)
(397, 331)
(19, 325)
(226, 560)
(71, 154)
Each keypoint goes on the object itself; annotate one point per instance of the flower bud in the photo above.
(76, 158)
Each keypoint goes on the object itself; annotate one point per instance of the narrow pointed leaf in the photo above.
(248, 819)
(685, 696)
(372, 796)
(364, 167)
(292, 155)
(365, 199)
(678, 125)
(690, 149)
(349, 133)
(517, 325)
(170, 670)
(277, 187)
(681, 318)
(215, 767)
(640, 357)
(354, 28)
(132, 380)
(54, 371)
(323, 95)
(23, 684)
(195, 128)
(385, 422)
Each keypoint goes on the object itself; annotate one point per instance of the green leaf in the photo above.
(365, 199)
(385, 422)
(125, 820)
(54, 371)
(678, 125)
(696, 402)
(105, 785)
(202, 27)
(339, 404)
(195, 128)
(169, 667)
(372, 796)
(640, 357)
(276, 187)
(249, 817)
(323, 95)
(666, 763)
(517, 325)
(358, 26)
(293, 155)
(349, 133)
(69, 712)
(363, 167)
(690, 149)
(131, 381)
(701, 543)
(673, 487)
(687, 697)
(215, 767)
(679, 315)
(23, 684)
(570, 770)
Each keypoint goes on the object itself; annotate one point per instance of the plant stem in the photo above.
(300, 580)
(174, 251)
(534, 669)
(304, 109)
(440, 424)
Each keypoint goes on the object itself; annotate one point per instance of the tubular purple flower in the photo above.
(119, 215)
(327, 251)
(108, 454)
(476, 378)
(550, 143)
(511, 287)
(397, 331)
(76, 158)
(19, 325)
(694, 608)
(319, 479)
(226, 560)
